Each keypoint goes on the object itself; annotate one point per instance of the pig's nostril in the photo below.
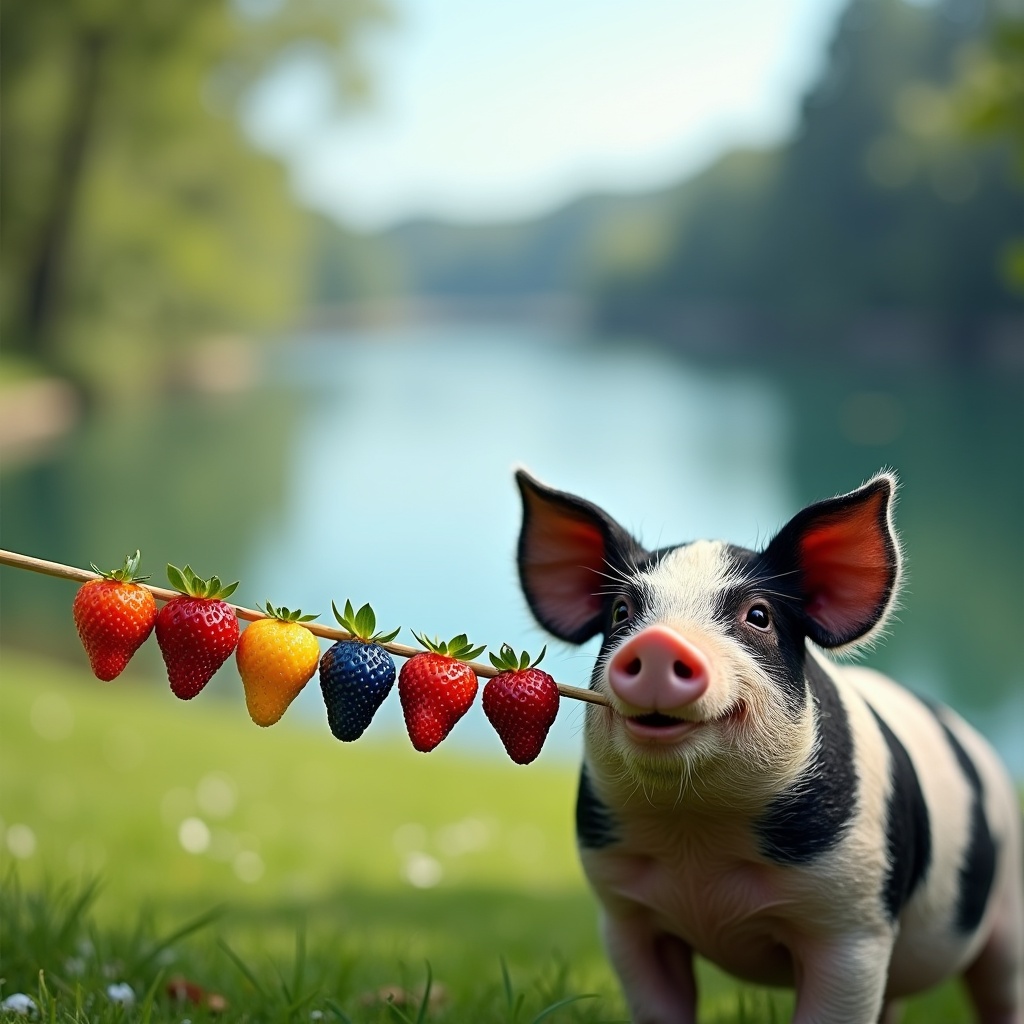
(633, 668)
(682, 670)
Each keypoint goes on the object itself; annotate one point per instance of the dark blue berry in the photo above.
(355, 677)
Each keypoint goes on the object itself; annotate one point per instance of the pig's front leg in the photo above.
(841, 981)
(655, 969)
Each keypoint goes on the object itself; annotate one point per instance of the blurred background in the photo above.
(289, 286)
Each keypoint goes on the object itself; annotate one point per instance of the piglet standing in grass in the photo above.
(796, 822)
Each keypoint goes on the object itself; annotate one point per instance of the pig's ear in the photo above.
(567, 547)
(845, 557)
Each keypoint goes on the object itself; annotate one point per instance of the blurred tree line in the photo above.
(900, 197)
(136, 218)
(893, 218)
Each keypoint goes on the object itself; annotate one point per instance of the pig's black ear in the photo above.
(844, 558)
(567, 548)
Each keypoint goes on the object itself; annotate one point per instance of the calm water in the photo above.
(378, 467)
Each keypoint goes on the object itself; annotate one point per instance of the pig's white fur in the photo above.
(685, 874)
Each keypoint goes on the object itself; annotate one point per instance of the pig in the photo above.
(796, 821)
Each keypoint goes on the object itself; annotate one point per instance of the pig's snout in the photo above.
(658, 670)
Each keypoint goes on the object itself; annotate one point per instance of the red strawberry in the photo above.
(196, 632)
(114, 617)
(521, 702)
(436, 688)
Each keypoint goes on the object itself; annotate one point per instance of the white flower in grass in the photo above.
(21, 1004)
(194, 835)
(21, 841)
(75, 966)
(422, 871)
(122, 993)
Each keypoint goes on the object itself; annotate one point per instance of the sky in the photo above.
(490, 110)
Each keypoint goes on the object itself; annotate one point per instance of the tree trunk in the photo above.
(44, 284)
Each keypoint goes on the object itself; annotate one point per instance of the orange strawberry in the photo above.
(114, 616)
(276, 657)
(436, 688)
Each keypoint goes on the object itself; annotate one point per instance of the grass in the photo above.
(301, 879)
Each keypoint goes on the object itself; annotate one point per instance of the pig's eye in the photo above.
(620, 611)
(759, 616)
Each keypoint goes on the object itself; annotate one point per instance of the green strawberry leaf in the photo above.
(506, 660)
(366, 621)
(186, 581)
(286, 614)
(177, 578)
(362, 624)
(458, 648)
(127, 573)
(344, 620)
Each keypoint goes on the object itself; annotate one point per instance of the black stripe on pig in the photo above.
(977, 872)
(908, 833)
(595, 825)
(813, 815)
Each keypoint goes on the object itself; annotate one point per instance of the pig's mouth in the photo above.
(655, 720)
(655, 727)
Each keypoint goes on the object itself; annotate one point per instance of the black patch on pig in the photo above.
(812, 816)
(595, 826)
(978, 869)
(907, 828)
(780, 651)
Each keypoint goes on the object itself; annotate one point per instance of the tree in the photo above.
(133, 208)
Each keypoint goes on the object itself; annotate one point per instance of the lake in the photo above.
(377, 466)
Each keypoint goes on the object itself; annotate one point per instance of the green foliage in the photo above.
(137, 219)
(890, 213)
(989, 99)
(361, 624)
(880, 204)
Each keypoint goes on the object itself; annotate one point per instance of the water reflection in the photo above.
(379, 468)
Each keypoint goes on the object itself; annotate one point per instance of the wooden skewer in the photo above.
(70, 572)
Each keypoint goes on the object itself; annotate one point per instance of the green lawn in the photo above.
(318, 871)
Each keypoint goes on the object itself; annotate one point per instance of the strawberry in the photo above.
(356, 675)
(114, 616)
(437, 688)
(521, 702)
(196, 631)
(276, 657)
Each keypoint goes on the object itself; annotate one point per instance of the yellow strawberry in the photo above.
(276, 657)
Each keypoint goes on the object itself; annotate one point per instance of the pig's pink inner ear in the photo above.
(849, 565)
(561, 560)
